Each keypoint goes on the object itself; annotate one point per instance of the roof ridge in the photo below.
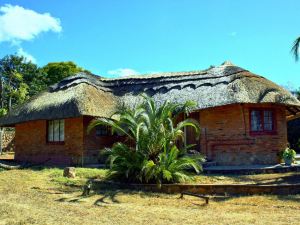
(171, 73)
(224, 70)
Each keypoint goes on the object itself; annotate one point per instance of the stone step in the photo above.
(297, 158)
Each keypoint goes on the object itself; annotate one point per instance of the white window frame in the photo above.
(56, 131)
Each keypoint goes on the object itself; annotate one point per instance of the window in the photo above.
(102, 130)
(262, 121)
(56, 131)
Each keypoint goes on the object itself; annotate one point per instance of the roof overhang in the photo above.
(292, 112)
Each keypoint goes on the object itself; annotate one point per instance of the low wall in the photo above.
(233, 189)
(214, 189)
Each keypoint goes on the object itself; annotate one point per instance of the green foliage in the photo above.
(150, 153)
(3, 112)
(171, 167)
(289, 154)
(18, 81)
(56, 71)
(125, 162)
(13, 90)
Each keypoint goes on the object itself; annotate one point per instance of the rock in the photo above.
(70, 172)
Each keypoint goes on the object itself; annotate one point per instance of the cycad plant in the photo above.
(150, 153)
(171, 167)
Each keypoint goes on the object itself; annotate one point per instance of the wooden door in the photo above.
(190, 134)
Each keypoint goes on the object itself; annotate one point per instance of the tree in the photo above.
(13, 89)
(56, 71)
(295, 48)
(34, 77)
(153, 155)
(19, 80)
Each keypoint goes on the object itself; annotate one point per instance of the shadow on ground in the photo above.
(107, 193)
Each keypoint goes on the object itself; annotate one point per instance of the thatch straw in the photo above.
(91, 95)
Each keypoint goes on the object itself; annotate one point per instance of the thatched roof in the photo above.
(91, 95)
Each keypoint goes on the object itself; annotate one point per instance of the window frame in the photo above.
(47, 133)
(263, 132)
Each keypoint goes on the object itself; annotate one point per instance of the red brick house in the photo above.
(243, 116)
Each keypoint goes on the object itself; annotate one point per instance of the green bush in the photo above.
(289, 154)
(150, 153)
(3, 112)
(171, 167)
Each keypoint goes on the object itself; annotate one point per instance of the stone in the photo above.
(70, 172)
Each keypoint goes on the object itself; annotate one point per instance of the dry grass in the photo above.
(41, 197)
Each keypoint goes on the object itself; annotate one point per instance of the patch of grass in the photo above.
(91, 173)
(41, 197)
(82, 175)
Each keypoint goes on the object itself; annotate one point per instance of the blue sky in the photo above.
(114, 38)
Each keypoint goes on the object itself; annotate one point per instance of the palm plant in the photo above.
(125, 162)
(153, 132)
(172, 167)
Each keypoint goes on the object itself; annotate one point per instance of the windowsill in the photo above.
(261, 133)
(55, 142)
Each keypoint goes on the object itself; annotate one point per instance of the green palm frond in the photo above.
(108, 122)
(171, 167)
(191, 123)
(154, 156)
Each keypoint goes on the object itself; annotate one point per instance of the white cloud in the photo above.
(123, 72)
(18, 24)
(26, 55)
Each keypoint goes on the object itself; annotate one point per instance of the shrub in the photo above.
(289, 154)
(172, 167)
(152, 155)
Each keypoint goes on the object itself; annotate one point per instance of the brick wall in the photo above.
(226, 138)
(94, 144)
(31, 145)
